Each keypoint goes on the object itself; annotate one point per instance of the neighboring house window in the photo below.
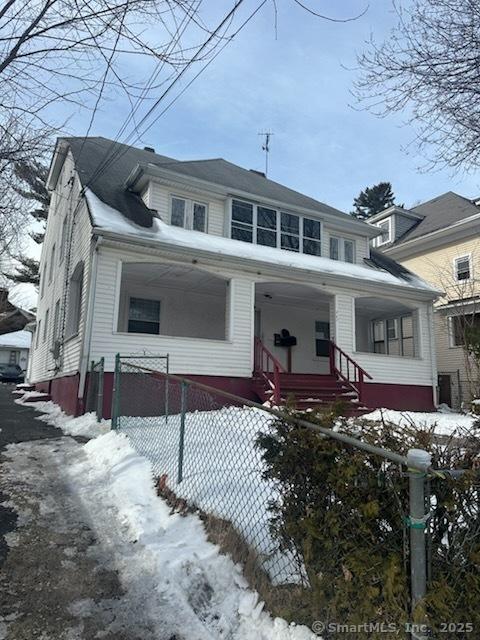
(458, 325)
(52, 264)
(63, 241)
(272, 228)
(386, 228)
(45, 325)
(13, 357)
(394, 336)
(188, 214)
(462, 268)
(39, 328)
(74, 304)
(342, 249)
(144, 316)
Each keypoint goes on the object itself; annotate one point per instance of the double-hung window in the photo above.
(188, 214)
(342, 249)
(273, 228)
(143, 316)
(462, 268)
(386, 228)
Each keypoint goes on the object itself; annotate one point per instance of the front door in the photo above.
(445, 389)
(322, 339)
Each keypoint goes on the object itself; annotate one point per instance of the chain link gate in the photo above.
(95, 388)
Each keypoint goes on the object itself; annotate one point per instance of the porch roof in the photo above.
(162, 234)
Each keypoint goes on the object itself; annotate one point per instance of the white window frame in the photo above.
(341, 249)
(150, 299)
(45, 325)
(52, 263)
(379, 241)
(63, 240)
(456, 260)
(301, 217)
(189, 207)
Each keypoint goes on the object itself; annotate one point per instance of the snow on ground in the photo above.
(443, 422)
(170, 550)
(222, 473)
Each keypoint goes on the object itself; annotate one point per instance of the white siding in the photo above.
(64, 203)
(232, 357)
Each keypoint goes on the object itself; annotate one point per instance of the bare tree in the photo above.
(428, 67)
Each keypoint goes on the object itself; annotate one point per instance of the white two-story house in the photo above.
(219, 267)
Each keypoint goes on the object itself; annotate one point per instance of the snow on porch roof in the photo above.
(106, 218)
(18, 339)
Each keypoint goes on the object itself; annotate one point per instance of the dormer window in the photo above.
(272, 228)
(386, 228)
(188, 214)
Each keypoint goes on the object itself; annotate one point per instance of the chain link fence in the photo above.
(94, 401)
(203, 447)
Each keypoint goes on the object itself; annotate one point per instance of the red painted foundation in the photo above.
(403, 397)
(64, 392)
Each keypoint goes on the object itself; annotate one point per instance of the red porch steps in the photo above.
(311, 391)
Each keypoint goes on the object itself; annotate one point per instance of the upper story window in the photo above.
(342, 249)
(52, 264)
(188, 214)
(63, 240)
(271, 228)
(462, 268)
(386, 228)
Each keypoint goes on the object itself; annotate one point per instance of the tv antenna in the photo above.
(266, 146)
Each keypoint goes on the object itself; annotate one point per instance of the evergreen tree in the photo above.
(372, 200)
(32, 177)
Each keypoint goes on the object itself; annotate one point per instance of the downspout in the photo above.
(433, 353)
(86, 342)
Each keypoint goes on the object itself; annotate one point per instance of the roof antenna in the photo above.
(266, 147)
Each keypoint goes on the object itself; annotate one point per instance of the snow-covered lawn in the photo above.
(442, 422)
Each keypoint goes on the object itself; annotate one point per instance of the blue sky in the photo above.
(296, 82)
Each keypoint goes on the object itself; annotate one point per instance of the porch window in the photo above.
(462, 268)
(188, 214)
(144, 316)
(342, 249)
(272, 228)
(394, 336)
(322, 338)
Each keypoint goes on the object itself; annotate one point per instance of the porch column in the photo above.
(342, 321)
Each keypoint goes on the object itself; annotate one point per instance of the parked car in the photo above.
(11, 373)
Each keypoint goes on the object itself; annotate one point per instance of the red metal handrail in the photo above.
(346, 362)
(265, 363)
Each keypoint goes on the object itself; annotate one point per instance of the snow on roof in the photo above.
(109, 219)
(24, 296)
(18, 339)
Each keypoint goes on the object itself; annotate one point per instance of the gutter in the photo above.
(261, 268)
(87, 337)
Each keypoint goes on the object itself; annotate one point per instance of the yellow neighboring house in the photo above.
(439, 240)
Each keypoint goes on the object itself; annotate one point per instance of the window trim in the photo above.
(52, 262)
(456, 260)
(278, 231)
(399, 335)
(127, 318)
(341, 248)
(189, 208)
(379, 242)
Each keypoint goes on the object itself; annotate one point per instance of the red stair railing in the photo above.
(266, 365)
(345, 367)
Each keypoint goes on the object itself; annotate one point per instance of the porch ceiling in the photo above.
(288, 293)
(172, 276)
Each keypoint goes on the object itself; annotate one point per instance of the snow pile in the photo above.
(85, 425)
(443, 423)
(110, 219)
(18, 339)
(180, 570)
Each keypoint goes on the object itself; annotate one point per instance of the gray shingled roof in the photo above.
(109, 186)
(439, 213)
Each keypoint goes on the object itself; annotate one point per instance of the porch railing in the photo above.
(345, 367)
(267, 366)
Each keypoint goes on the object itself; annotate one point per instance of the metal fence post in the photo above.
(181, 444)
(101, 370)
(116, 393)
(418, 542)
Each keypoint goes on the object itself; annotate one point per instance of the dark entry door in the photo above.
(445, 389)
